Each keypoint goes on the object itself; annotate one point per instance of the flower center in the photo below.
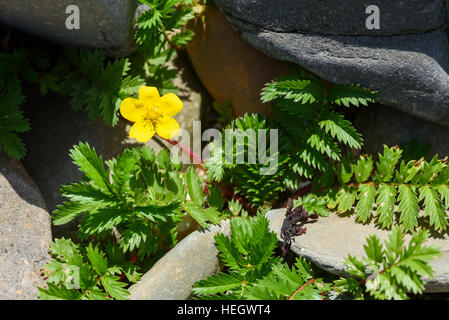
(152, 117)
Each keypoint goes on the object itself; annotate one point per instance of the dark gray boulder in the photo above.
(25, 232)
(407, 59)
(103, 23)
(338, 17)
(379, 125)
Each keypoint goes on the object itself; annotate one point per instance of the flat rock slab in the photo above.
(330, 240)
(173, 276)
(407, 59)
(25, 233)
(103, 23)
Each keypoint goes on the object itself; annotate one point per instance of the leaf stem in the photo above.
(311, 281)
(189, 152)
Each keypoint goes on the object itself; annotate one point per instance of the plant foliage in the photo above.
(18, 67)
(392, 271)
(96, 83)
(85, 273)
(412, 189)
(311, 133)
(137, 195)
(253, 271)
(130, 209)
(163, 24)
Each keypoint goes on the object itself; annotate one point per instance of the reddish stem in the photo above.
(134, 257)
(188, 151)
(132, 260)
(229, 192)
(311, 281)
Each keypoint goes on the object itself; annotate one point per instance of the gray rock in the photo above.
(379, 125)
(56, 128)
(407, 60)
(338, 17)
(25, 233)
(173, 276)
(103, 23)
(330, 240)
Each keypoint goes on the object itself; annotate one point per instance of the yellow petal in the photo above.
(141, 132)
(169, 104)
(167, 128)
(149, 96)
(132, 110)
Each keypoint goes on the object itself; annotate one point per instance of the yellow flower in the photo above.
(152, 114)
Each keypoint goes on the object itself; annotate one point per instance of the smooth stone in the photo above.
(25, 232)
(330, 240)
(103, 23)
(410, 70)
(173, 276)
(229, 67)
(381, 125)
(197, 101)
(56, 128)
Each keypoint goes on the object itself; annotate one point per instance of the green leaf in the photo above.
(346, 198)
(95, 83)
(373, 249)
(444, 192)
(203, 216)
(387, 163)
(90, 164)
(302, 91)
(215, 197)
(58, 293)
(338, 127)
(12, 120)
(218, 283)
(348, 95)
(408, 206)
(70, 210)
(433, 207)
(67, 251)
(406, 172)
(114, 287)
(345, 169)
(386, 199)
(429, 171)
(363, 169)
(395, 242)
(312, 204)
(194, 187)
(97, 294)
(97, 259)
(366, 197)
(283, 283)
